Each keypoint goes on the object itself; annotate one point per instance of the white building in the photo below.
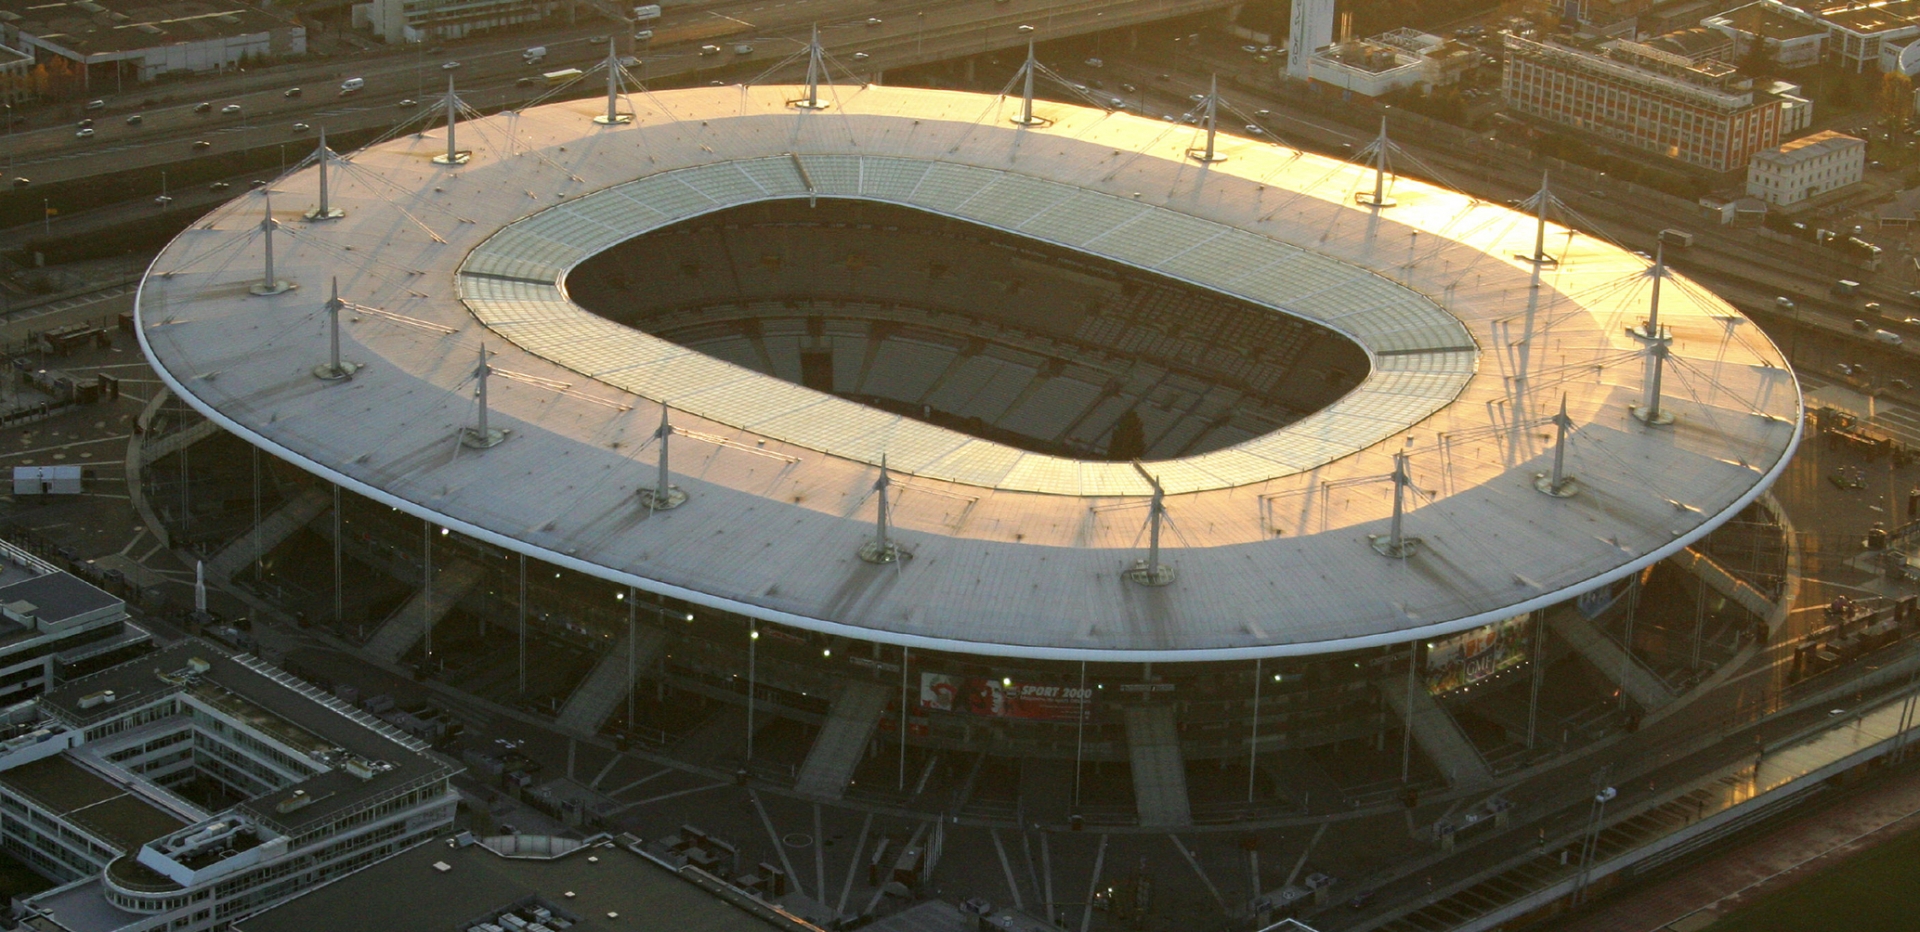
(115, 41)
(398, 21)
(88, 780)
(1806, 167)
(1403, 58)
(1790, 37)
(1311, 29)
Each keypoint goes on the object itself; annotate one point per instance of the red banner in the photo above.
(1002, 698)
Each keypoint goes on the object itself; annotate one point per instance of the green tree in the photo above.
(1896, 99)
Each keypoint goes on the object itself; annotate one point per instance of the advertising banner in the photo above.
(1461, 660)
(1001, 698)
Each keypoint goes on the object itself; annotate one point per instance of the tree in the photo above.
(1896, 99)
(1757, 61)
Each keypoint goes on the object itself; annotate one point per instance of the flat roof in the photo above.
(87, 799)
(105, 27)
(312, 712)
(1879, 16)
(58, 597)
(1806, 147)
(408, 891)
(1014, 552)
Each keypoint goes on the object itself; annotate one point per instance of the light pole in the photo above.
(753, 657)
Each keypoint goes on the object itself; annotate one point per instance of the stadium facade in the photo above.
(1057, 440)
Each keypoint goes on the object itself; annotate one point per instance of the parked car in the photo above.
(22, 181)
(219, 186)
(136, 120)
(407, 102)
(449, 65)
(230, 109)
(301, 127)
(83, 133)
(202, 146)
(96, 105)
(290, 92)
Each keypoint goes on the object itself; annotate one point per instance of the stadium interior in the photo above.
(973, 329)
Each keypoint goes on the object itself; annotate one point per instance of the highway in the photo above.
(906, 34)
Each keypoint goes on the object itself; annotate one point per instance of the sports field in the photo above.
(1876, 891)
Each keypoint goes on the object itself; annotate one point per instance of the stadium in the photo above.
(1130, 465)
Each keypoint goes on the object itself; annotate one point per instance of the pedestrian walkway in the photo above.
(1690, 899)
(1645, 689)
(1159, 769)
(451, 582)
(597, 695)
(842, 741)
(273, 530)
(1438, 735)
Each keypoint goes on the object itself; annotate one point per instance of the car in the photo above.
(1911, 321)
(83, 133)
(230, 108)
(202, 107)
(873, 20)
(219, 186)
(96, 105)
(1129, 88)
(1082, 88)
(256, 184)
(710, 49)
(1862, 325)
(861, 56)
(1901, 384)
(1024, 28)
(21, 181)
(1095, 63)
(1197, 98)
(202, 146)
(163, 200)
(628, 61)
(1845, 369)
(290, 92)
(523, 82)
(1262, 114)
(1263, 58)
(449, 65)
(1250, 49)
(301, 127)
(410, 102)
(1168, 117)
(1255, 129)
(1875, 164)
(1269, 49)
(136, 120)
(85, 124)
(598, 40)
(743, 49)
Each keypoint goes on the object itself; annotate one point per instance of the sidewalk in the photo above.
(1816, 841)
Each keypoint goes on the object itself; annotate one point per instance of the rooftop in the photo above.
(1014, 552)
(106, 27)
(306, 720)
(1768, 21)
(609, 888)
(70, 790)
(1811, 146)
(58, 597)
(1880, 16)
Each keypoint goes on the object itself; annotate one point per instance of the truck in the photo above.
(562, 76)
(1673, 237)
(1846, 286)
(646, 14)
(533, 56)
(352, 85)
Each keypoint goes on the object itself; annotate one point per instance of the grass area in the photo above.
(1875, 891)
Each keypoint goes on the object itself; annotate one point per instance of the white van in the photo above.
(351, 85)
(535, 54)
(1887, 336)
(643, 35)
